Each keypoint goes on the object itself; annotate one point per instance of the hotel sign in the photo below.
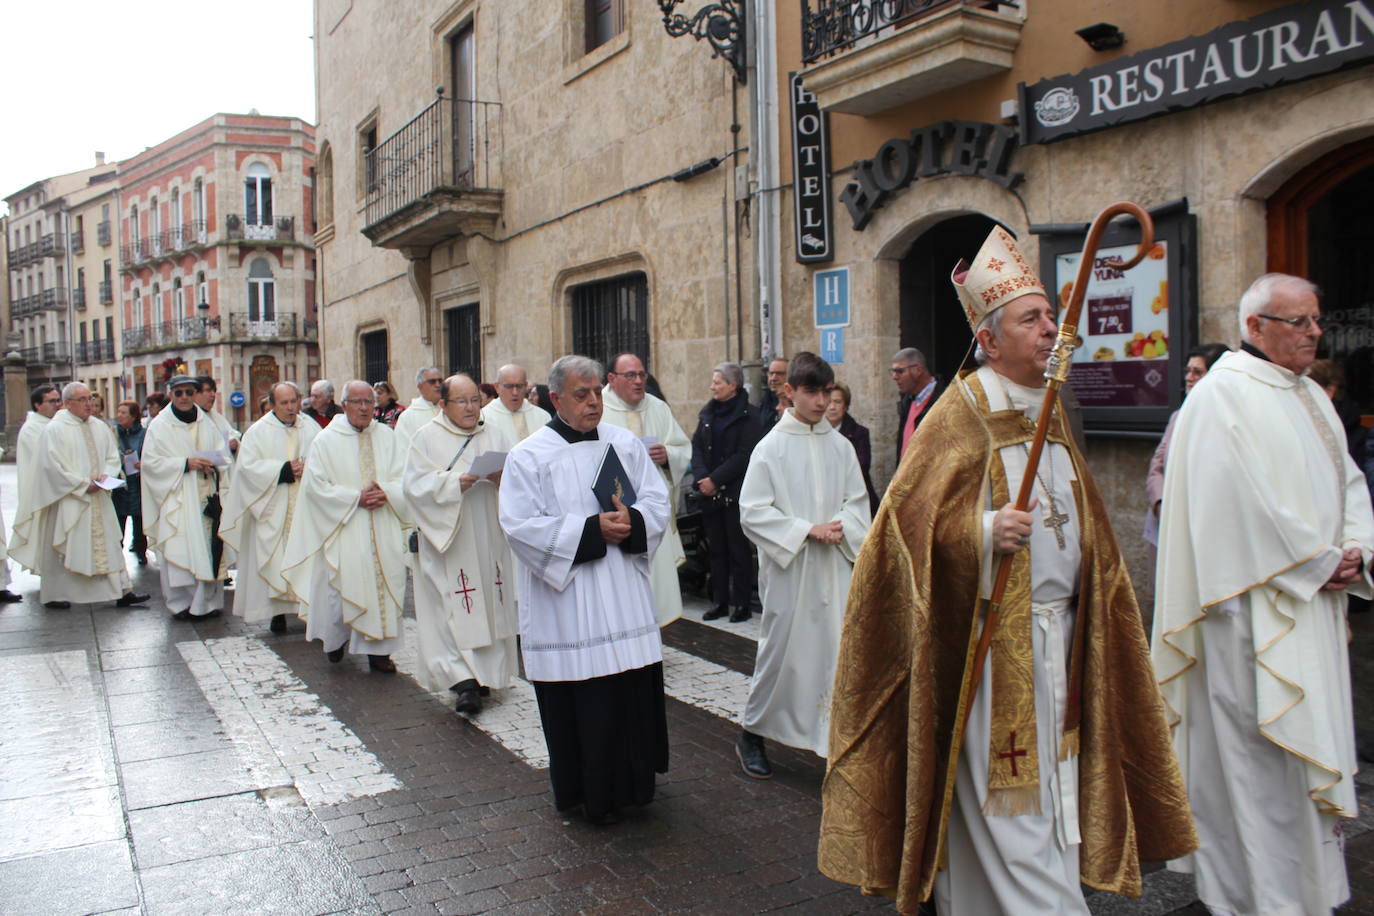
(810, 177)
(1281, 46)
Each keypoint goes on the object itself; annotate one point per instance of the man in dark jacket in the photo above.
(726, 435)
(919, 391)
(767, 408)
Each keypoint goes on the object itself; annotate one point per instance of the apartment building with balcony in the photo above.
(216, 267)
(1246, 126)
(503, 191)
(93, 246)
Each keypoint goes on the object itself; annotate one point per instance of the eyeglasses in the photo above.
(430, 381)
(183, 392)
(632, 376)
(368, 401)
(898, 370)
(465, 402)
(1302, 322)
(80, 400)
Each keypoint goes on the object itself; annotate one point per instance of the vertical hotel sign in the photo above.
(810, 177)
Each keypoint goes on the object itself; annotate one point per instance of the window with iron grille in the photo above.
(463, 330)
(611, 317)
(376, 367)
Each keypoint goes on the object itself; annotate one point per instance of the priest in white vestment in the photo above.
(260, 508)
(589, 637)
(345, 554)
(424, 407)
(46, 401)
(207, 393)
(511, 412)
(629, 406)
(465, 617)
(804, 505)
(183, 466)
(79, 542)
(1266, 529)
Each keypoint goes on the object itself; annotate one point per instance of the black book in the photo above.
(611, 479)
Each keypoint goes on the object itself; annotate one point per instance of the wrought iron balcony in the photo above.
(188, 235)
(930, 46)
(283, 228)
(96, 351)
(56, 353)
(54, 300)
(26, 305)
(51, 246)
(103, 233)
(437, 177)
(31, 354)
(106, 292)
(78, 242)
(79, 298)
(283, 326)
(164, 334)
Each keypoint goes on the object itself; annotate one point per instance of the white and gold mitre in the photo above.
(998, 275)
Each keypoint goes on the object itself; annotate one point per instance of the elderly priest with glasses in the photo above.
(1266, 529)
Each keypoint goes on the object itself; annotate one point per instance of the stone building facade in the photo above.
(530, 209)
(216, 264)
(1247, 127)
(93, 242)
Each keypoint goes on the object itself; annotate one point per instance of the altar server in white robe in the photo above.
(260, 508)
(629, 406)
(80, 549)
(183, 462)
(589, 636)
(804, 505)
(511, 412)
(345, 554)
(1266, 529)
(424, 407)
(46, 401)
(465, 618)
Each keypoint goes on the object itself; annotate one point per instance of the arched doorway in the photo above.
(1318, 226)
(932, 320)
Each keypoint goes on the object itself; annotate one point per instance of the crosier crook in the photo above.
(1056, 373)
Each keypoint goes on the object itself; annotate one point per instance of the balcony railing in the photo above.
(54, 299)
(832, 26)
(106, 292)
(448, 146)
(283, 228)
(31, 354)
(78, 242)
(187, 235)
(96, 351)
(56, 353)
(284, 325)
(79, 298)
(50, 246)
(103, 234)
(166, 334)
(26, 305)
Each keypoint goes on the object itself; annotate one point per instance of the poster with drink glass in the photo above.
(1124, 358)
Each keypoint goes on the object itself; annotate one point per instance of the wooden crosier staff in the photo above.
(1056, 374)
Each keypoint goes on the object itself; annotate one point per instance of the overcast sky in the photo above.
(82, 76)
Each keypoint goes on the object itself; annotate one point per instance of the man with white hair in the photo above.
(589, 636)
(80, 542)
(322, 408)
(45, 401)
(183, 463)
(919, 392)
(995, 794)
(511, 412)
(423, 408)
(259, 509)
(345, 553)
(1266, 529)
(629, 406)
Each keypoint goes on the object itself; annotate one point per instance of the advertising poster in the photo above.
(1124, 358)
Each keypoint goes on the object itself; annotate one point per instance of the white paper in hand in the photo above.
(650, 441)
(110, 483)
(487, 463)
(131, 463)
(216, 457)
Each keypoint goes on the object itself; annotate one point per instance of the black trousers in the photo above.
(732, 564)
(607, 736)
(140, 544)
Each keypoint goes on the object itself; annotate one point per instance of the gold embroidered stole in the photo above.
(1334, 450)
(522, 429)
(100, 555)
(367, 463)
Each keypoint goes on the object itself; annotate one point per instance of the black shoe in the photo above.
(57, 605)
(740, 615)
(217, 612)
(382, 663)
(484, 691)
(8, 597)
(717, 612)
(129, 599)
(182, 615)
(336, 655)
(749, 750)
(469, 697)
(278, 624)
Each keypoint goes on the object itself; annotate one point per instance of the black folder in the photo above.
(611, 479)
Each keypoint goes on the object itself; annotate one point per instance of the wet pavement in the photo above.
(154, 766)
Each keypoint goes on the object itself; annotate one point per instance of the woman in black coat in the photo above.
(838, 415)
(726, 435)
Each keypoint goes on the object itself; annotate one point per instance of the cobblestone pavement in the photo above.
(154, 767)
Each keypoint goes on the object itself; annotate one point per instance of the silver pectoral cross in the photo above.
(1056, 520)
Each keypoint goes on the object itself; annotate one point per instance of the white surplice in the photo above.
(1026, 863)
(258, 513)
(799, 476)
(416, 415)
(519, 425)
(590, 619)
(346, 563)
(653, 417)
(26, 536)
(465, 616)
(1260, 498)
(80, 553)
(174, 501)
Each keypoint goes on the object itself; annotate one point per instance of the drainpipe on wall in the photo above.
(763, 99)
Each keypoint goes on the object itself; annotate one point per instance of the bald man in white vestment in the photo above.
(511, 412)
(1266, 529)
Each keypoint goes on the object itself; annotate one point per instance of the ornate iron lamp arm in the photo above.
(722, 24)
